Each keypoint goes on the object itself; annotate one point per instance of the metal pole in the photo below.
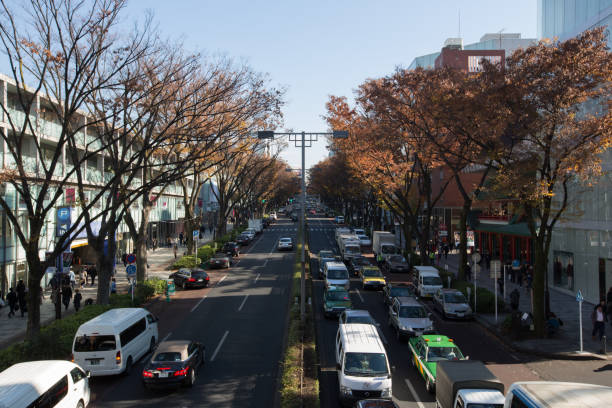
(303, 225)
(580, 321)
(496, 286)
(505, 283)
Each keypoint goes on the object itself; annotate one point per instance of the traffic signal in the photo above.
(263, 200)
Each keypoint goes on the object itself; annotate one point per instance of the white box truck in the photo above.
(383, 242)
(256, 224)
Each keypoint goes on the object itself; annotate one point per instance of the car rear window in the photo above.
(95, 343)
(198, 274)
(167, 356)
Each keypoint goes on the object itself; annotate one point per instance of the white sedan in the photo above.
(285, 244)
(364, 240)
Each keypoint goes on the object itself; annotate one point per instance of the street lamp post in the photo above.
(303, 140)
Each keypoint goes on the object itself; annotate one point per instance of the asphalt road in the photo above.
(241, 319)
(408, 385)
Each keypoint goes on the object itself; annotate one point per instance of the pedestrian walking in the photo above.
(77, 300)
(175, 250)
(66, 296)
(93, 273)
(520, 274)
(599, 320)
(181, 237)
(113, 286)
(72, 279)
(515, 296)
(83, 278)
(446, 251)
(11, 298)
(609, 302)
(124, 259)
(468, 272)
(21, 297)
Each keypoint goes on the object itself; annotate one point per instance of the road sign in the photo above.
(130, 258)
(196, 234)
(579, 297)
(476, 257)
(130, 270)
(495, 269)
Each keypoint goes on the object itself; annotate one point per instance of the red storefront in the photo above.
(505, 242)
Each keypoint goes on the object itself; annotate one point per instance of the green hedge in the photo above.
(187, 261)
(485, 301)
(206, 252)
(55, 340)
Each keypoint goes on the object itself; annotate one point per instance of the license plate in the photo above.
(163, 374)
(94, 362)
(460, 314)
(200, 280)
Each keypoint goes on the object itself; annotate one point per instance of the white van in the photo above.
(47, 383)
(362, 364)
(555, 394)
(112, 342)
(428, 280)
(336, 274)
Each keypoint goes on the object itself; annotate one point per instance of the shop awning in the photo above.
(78, 243)
(520, 229)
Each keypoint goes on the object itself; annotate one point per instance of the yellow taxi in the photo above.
(371, 278)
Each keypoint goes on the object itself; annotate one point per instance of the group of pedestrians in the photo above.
(602, 314)
(17, 299)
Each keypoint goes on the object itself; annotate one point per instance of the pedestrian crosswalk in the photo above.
(284, 229)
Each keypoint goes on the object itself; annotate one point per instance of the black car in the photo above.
(393, 290)
(396, 263)
(231, 248)
(243, 239)
(174, 363)
(356, 262)
(190, 278)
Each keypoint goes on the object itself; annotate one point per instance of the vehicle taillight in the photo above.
(191, 279)
(118, 357)
(147, 373)
(72, 357)
(207, 278)
(180, 373)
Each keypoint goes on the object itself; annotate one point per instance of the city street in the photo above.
(472, 339)
(241, 320)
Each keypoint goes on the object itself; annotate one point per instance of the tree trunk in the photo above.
(139, 237)
(33, 302)
(539, 271)
(105, 267)
(463, 259)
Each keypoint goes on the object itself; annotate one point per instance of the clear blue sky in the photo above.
(319, 48)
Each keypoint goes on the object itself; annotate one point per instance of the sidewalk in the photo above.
(13, 329)
(565, 343)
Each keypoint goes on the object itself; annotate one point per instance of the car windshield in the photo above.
(337, 295)
(412, 312)
(388, 249)
(397, 258)
(432, 280)
(352, 250)
(362, 237)
(337, 274)
(285, 240)
(443, 353)
(365, 364)
(454, 297)
(95, 343)
(360, 319)
(372, 273)
(167, 356)
(398, 291)
(326, 254)
(219, 255)
(198, 274)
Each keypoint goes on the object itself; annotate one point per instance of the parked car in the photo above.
(426, 351)
(174, 363)
(371, 278)
(364, 240)
(356, 316)
(250, 232)
(231, 248)
(273, 216)
(243, 239)
(393, 290)
(190, 278)
(357, 262)
(451, 303)
(339, 219)
(375, 403)
(285, 244)
(336, 299)
(396, 263)
(409, 318)
(220, 260)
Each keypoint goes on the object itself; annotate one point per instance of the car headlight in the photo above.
(386, 392)
(406, 328)
(345, 390)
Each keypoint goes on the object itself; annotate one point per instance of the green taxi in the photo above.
(427, 350)
(336, 300)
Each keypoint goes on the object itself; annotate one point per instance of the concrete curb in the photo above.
(557, 356)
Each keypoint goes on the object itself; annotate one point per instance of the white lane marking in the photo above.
(257, 277)
(167, 335)
(243, 302)
(219, 345)
(359, 294)
(221, 280)
(269, 255)
(414, 394)
(197, 304)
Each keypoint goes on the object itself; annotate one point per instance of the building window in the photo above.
(474, 64)
(563, 269)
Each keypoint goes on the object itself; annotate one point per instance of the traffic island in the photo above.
(299, 381)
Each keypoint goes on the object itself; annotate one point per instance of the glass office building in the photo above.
(581, 249)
